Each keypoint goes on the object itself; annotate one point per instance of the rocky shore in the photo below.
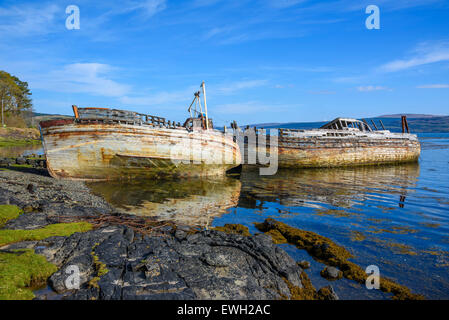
(117, 261)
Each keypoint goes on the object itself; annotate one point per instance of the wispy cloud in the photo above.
(284, 3)
(90, 78)
(372, 88)
(322, 92)
(159, 98)
(249, 107)
(433, 86)
(147, 8)
(28, 19)
(205, 3)
(425, 53)
(239, 85)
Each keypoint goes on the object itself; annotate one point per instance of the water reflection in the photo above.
(198, 201)
(185, 201)
(17, 151)
(339, 187)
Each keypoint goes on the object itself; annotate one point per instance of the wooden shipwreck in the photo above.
(341, 142)
(105, 144)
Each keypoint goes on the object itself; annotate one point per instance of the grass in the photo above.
(8, 212)
(60, 229)
(8, 142)
(21, 271)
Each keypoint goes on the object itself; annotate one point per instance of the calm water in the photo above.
(395, 217)
(17, 151)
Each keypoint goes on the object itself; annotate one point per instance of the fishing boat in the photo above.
(341, 142)
(107, 144)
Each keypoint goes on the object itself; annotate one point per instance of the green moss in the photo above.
(21, 271)
(307, 292)
(100, 268)
(401, 248)
(234, 229)
(333, 255)
(277, 237)
(357, 236)
(335, 213)
(61, 229)
(8, 212)
(394, 230)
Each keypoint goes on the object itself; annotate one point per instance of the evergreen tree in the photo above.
(15, 96)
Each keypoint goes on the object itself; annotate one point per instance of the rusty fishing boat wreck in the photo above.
(339, 143)
(107, 144)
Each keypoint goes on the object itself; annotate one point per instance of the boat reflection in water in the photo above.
(339, 187)
(193, 202)
(198, 201)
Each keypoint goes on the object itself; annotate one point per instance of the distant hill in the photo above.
(38, 117)
(417, 123)
(412, 116)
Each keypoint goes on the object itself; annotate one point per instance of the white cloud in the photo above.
(149, 7)
(372, 88)
(28, 19)
(241, 108)
(239, 85)
(90, 78)
(434, 86)
(186, 95)
(160, 98)
(424, 54)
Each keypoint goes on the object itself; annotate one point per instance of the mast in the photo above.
(203, 85)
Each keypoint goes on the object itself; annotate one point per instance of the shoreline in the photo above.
(116, 262)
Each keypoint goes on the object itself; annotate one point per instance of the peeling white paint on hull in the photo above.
(99, 151)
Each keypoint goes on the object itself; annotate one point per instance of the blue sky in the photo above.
(262, 60)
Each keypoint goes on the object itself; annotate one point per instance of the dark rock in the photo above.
(327, 293)
(331, 273)
(316, 250)
(304, 264)
(205, 265)
(21, 160)
(31, 188)
(28, 221)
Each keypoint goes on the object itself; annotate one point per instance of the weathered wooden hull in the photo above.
(325, 149)
(337, 153)
(101, 151)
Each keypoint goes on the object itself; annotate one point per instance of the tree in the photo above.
(15, 97)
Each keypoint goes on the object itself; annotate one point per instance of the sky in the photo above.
(263, 61)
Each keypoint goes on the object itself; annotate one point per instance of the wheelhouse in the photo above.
(346, 124)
